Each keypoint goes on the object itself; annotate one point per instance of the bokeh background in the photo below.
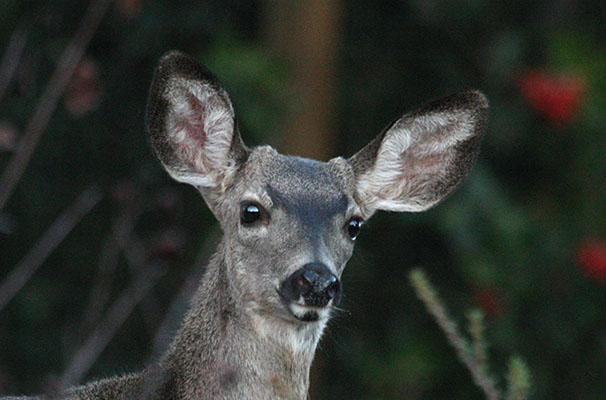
(99, 249)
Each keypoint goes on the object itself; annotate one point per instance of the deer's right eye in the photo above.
(353, 227)
(250, 213)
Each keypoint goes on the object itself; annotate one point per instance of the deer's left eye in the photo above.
(353, 227)
(249, 213)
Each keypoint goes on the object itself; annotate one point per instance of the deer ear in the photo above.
(191, 123)
(422, 157)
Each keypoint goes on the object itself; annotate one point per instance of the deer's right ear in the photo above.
(422, 157)
(191, 123)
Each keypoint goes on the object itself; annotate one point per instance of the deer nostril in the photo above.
(303, 283)
(334, 287)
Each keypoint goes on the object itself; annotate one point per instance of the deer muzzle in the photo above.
(312, 285)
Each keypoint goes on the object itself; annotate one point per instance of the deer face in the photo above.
(290, 223)
(292, 226)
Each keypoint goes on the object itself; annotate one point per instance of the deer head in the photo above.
(290, 223)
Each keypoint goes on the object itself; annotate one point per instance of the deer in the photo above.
(289, 227)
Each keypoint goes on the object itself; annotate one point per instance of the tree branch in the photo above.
(55, 234)
(433, 303)
(94, 345)
(99, 295)
(180, 301)
(48, 101)
(134, 252)
(12, 56)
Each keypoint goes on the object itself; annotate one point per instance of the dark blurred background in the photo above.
(99, 249)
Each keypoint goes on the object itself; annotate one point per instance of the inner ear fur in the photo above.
(192, 149)
(422, 157)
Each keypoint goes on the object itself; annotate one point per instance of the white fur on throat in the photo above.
(200, 128)
(414, 155)
(300, 338)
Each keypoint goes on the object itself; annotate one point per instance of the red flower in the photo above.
(8, 136)
(489, 300)
(169, 245)
(592, 258)
(557, 98)
(128, 8)
(83, 94)
(124, 191)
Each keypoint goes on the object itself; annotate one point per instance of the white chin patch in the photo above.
(309, 314)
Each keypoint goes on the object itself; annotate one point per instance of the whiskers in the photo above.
(340, 310)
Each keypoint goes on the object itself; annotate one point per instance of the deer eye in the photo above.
(249, 213)
(353, 227)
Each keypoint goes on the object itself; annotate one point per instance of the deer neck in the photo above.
(233, 352)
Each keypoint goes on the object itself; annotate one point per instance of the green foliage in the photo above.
(523, 239)
(472, 354)
(255, 81)
(518, 380)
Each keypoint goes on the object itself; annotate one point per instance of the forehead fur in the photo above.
(292, 175)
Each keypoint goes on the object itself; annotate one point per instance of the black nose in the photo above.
(314, 283)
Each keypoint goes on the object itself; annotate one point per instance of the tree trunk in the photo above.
(305, 35)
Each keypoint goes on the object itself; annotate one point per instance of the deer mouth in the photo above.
(303, 312)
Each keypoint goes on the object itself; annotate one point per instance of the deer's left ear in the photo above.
(422, 157)
(191, 124)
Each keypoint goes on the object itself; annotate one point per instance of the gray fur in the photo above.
(238, 340)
